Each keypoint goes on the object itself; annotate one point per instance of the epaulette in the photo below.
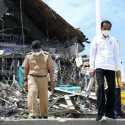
(45, 52)
(29, 53)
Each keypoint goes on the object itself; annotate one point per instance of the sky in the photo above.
(81, 14)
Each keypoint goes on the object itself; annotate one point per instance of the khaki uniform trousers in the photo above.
(38, 86)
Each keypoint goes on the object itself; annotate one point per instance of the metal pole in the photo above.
(22, 25)
(98, 16)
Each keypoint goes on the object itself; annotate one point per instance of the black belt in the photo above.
(38, 75)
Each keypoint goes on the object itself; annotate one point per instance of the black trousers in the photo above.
(105, 100)
(118, 111)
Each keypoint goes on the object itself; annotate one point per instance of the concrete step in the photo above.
(89, 121)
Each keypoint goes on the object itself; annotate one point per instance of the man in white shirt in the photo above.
(104, 62)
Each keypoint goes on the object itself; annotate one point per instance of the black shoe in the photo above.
(99, 118)
(45, 117)
(111, 116)
(31, 116)
(40, 117)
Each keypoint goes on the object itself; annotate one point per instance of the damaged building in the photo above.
(22, 21)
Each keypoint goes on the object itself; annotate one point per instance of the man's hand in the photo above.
(122, 85)
(26, 85)
(92, 72)
(52, 87)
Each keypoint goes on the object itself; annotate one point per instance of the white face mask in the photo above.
(106, 32)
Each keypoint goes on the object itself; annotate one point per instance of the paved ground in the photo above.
(62, 122)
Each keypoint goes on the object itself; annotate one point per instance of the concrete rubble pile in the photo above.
(12, 101)
(61, 104)
(71, 106)
(65, 43)
(72, 98)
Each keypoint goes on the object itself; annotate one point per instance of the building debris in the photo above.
(13, 101)
(21, 25)
(73, 96)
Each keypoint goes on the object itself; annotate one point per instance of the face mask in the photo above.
(106, 32)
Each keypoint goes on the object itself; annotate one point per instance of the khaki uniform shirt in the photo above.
(38, 63)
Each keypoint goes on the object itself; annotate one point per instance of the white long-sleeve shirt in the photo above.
(104, 53)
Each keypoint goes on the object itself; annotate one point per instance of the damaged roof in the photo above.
(49, 22)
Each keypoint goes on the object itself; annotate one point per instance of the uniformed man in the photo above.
(37, 65)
